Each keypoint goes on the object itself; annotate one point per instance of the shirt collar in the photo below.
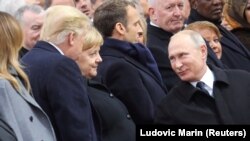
(207, 78)
(151, 23)
(56, 48)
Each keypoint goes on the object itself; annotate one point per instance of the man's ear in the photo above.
(204, 51)
(151, 13)
(120, 29)
(71, 38)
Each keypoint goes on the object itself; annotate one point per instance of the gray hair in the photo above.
(11, 6)
(195, 37)
(29, 7)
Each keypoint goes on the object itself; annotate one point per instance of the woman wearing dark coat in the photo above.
(114, 119)
(111, 117)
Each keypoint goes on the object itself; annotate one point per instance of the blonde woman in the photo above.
(210, 33)
(113, 116)
(17, 107)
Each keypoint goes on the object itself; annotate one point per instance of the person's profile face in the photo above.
(88, 61)
(84, 6)
(214, 41)
(133, 25)
(211, 9)
(31, 28)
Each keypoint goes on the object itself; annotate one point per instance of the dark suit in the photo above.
(60, 89)
(133, 83)
(115, 121)
(158, 40)
(22, 52)
(6, 133)
(185, 104)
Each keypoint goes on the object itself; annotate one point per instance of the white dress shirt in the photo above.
(208, 79)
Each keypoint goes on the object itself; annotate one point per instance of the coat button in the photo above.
(31, 118)
(128, 116)
(111, 95)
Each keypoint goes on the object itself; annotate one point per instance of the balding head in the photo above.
(190, 36)
(188, 54)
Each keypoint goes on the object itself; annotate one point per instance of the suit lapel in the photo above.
(221, 82)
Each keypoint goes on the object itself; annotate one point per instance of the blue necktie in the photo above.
(201, 86)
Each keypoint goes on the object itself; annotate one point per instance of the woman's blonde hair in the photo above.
(201, 25)
(92, 38)
(11, 40)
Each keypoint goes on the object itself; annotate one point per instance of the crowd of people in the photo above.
(91, 70)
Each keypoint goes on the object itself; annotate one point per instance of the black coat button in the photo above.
(31, 118)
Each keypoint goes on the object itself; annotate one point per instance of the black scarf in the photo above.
(138, 52)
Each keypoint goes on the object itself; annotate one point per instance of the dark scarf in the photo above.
(138, 52)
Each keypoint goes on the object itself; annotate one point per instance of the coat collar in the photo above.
(158, 32)
(46, 46)
(187, 90)
(23, 92)
(111, 50)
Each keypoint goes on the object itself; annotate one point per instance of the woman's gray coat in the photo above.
(21, 112)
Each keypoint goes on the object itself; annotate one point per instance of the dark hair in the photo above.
(110, 13)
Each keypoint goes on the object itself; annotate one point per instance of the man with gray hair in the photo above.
(30, 18)
(55, 76)
(206, 94)
(166, 19)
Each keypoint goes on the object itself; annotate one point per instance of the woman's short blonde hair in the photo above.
(201, 25)
(92, 39)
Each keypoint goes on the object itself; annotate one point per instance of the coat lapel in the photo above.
(24, 93)
(221, 82)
